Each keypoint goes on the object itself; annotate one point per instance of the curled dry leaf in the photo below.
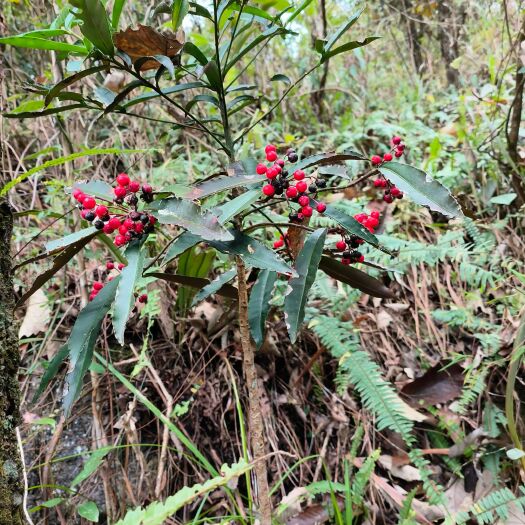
(148, 42)
(438, 385)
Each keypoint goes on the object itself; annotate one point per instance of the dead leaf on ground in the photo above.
(37, 315)
(437, 385)
(399, 468)
(146, 41)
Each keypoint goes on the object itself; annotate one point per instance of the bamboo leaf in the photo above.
(259, 304)
(306, 266)
(422, 188)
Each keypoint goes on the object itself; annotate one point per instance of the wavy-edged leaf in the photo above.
(355, 278)
(69, 81)
(82, 339)
(214, 286)
(58, 262)
(231, 209)
(34, 42)
(124, 298)
(306, 265)
(422, 188)
(66, 159)
(259, 304)
(73, 238)
(328, 158)
(253, 253)
(350, 224)
(96, 188)
(179, 10)
(180, 245)
(188, 215)
(158, 512)
(226, 290)
(95, 24)
(218, 184)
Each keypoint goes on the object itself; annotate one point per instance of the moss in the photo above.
(11, 486)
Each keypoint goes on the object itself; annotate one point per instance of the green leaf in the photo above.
(279, 77)
(515, 453)
(211, 70)
(200, 11)
(89, 511)
(231, 209)
(504, 198)
(188, 215)
(144, 97)
(329, 158)
(51, 371)
(66, 82)
(180, 245)
(218, 184)
(91, 465)
(349, 46)
(298, 10)
(226, 290)
(124, 299)
(253, 253)
(33, 42)
(158, 512)
(214, 286)
(72, 238)
(96, 188)
(350, 224)
(58, 262)
(422, 188)
(82, 339)
(167, 63)
(306, 266)
(179, 10)
(95, 24)
(65, 160)
(118, 6)
(45, 112)
(355, 278)
(259, 304)
(191, 49)
(341, 30)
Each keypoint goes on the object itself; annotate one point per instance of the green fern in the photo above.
(434, 491)
(362, 477)
(473, 387)
(407, 515)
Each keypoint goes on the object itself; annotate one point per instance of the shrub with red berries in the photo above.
(122, 216)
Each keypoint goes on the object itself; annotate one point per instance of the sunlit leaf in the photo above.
(95, 24)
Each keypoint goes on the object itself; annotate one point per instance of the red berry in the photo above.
(146, 188)
(278, 244)
(143, 298)
(120, 192)
(101, 211)
(346, 262)
(321, 207)
(78, 195)
(108, 229)
(298, 175)
(280, 163)
(307, 211)
(121, 266)
(378, 183)
(360, 217)
(340, 245)
(388, 198)
(371, 222)
(384, 183)
(92, 295)
(387, 157)
(361, 258)
(139, 227)
(83, 213)
(395, 191)
(396, 140)
(89, 203)
(128, 236)
(304, 200)
(398, 153)
(97, 285)
(120, 240)
(301, 186)
(277, 168)
(269, 147)
(268, 190)
(134, 186)
(261, 169)
(110, 266)
(122, 229)
(128, 223)
(401, 147)
(152, 220)
(400, 195)
(272, 173)
(114, 223)
(271, 156)
(291, 192)
(375, 214)
(300, 217)
(122, 179)
(376, 159)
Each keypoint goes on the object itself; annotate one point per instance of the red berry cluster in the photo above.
(295, 186)
(97, 285)
(391, 191)
(122, 216)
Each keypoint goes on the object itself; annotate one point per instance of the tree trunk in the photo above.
(449, 27)
(318, 95)
(11, 484)
(414, 35)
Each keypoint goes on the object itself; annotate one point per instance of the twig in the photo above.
(24, 476)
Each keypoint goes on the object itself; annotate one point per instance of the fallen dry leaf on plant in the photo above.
(146, 41)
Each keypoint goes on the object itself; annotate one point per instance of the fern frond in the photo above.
(407, 515)
(434, 491)
(362, 477)
(473, 387)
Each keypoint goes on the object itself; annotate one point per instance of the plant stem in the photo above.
(254, 403)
